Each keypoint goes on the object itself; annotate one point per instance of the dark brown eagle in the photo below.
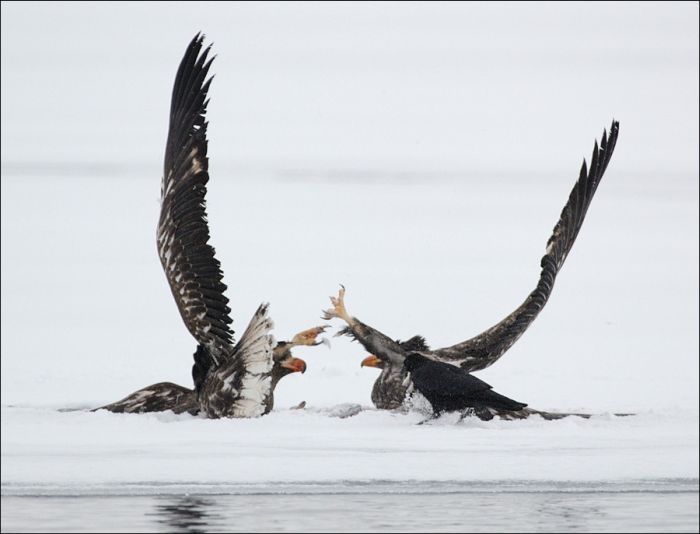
(391, 388)
(230, 379)
(169, 396)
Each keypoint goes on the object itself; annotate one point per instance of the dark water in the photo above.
(661, 508)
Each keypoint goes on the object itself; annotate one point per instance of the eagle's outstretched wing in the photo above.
(242, 388)
(194, 274)
(481, 351)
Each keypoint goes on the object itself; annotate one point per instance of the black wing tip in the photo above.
(197, 43)
(607, 144)
(193, 50)
(603, 154)
(612, 137)
(198, 38)
(194, 54)
(191, 78)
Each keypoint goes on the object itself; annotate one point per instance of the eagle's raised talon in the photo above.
(338, 309)
(308, 337)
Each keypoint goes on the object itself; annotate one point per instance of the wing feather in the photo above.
(242, 387)
(483, 350)
(193, 272)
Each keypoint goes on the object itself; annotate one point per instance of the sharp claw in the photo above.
(338, 310)
(308, 336)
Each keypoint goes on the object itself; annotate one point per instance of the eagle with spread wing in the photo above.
(230, 379)
(391, 387)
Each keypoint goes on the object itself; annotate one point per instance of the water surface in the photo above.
(656, 506)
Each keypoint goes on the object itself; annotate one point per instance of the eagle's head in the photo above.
(284, 363)
(416, 343)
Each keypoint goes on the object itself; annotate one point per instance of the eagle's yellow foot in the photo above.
(308, 337)
(338, 310)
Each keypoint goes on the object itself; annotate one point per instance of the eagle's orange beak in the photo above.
(297, 365)
(371, 361)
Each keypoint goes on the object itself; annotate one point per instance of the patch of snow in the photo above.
(49, 451)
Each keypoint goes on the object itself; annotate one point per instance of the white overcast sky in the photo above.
(357, 86)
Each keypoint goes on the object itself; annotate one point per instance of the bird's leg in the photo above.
(308, 337)
(338, 310)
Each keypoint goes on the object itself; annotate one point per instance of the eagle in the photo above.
(179, 399)
(479, 352)
(230, 379)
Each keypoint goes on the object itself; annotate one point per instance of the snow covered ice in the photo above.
(163, 453)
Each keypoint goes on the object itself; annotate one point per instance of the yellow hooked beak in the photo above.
(296, 365)
(371, 361)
